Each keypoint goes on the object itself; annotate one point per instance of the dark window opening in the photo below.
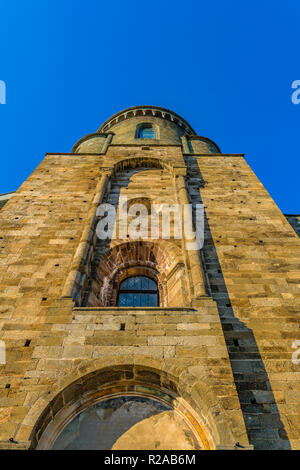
(138, 291)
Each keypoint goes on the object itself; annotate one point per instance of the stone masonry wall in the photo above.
(188, 343)
(40, 227)
(49, 343)
(252, 258)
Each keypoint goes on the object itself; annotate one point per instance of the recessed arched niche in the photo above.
(128, 422)
(122, 408)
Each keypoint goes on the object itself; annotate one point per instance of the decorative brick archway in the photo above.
(144, 162)
(157, 260)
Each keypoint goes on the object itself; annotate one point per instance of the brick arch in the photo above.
(142, 162)
(175, 382)
(146, 201)
(161, 258)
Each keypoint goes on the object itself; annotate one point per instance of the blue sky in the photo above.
(225, 66)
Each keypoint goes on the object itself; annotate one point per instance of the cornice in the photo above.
(145, 110)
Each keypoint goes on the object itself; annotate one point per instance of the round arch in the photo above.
(144, 162)
(168, 381)
(140, 257)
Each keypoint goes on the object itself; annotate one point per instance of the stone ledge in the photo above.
(7, 445)
(135, 310)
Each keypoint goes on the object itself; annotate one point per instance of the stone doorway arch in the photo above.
(142, 419)
(177, 389)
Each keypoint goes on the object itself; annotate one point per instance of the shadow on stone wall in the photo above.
(261, 415)
(104, 424)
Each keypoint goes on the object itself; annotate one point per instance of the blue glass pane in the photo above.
(144, 300)
(122, 300)
(138, 283)
(152, 285)
(145, 283)
(138, 300)
(134, 292)
(147, 133)
(152, 300)
(125, 300)
(127, 284)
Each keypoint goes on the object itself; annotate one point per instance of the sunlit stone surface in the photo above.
(126, 423)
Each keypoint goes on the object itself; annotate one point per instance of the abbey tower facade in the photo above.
(143, 343)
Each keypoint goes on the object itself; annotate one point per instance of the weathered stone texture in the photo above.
(221, 342)
(40, 229)
(255, 281)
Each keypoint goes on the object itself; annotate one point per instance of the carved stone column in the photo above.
(87, 236)
(107, 142)
(197, 275)
(185, 145)
(164, 299)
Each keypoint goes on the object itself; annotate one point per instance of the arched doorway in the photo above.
(123, 408)
(128, 422)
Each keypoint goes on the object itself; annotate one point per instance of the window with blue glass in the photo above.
(147, 132)
(138, 291)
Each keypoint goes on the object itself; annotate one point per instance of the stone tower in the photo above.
(141, 343)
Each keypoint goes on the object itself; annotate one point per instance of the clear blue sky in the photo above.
(225, 66)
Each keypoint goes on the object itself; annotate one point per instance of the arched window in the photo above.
(138, 291)
(146, 131)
